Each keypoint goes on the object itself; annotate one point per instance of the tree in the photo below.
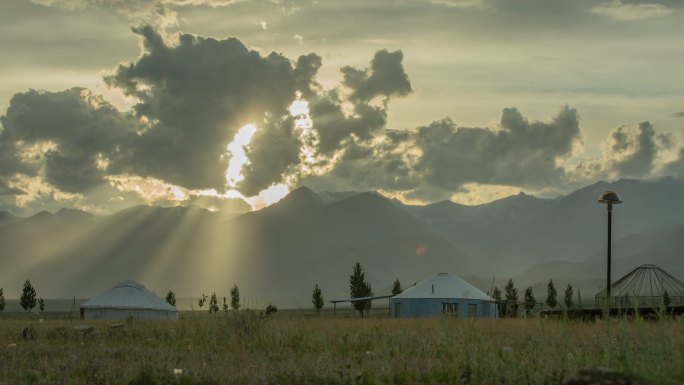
(213, 304)
(497, 294)
(551, 295)
(568, 297)
(225, 305)
(171, 298)
(202, 300)
(271, 309)
(317, 299)
(2, 300)
(235, 298)
(360, 288)
(41, 304)
(530, 301)
(28, 296)
(579, 299)
(511, 298)
(396, 289)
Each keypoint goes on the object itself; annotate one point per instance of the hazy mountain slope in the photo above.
(280, 252)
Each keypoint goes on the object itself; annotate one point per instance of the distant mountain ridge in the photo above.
(278, 253)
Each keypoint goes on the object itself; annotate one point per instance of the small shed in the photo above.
(128, 299)
(443, 294)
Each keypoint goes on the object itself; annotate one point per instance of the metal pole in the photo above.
(610, 219)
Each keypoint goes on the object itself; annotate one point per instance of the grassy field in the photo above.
(288, 349)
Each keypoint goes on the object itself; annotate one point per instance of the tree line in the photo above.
(28, 299)
(512, 302)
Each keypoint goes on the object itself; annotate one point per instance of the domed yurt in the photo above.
(646, 286)
(443, 294)
(128, 299)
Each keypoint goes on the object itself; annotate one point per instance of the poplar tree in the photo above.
(28, 297)
(2, 300)
(512, 298)
(396, 288)
(551, 295)
(235, 298)
(317, 299)
(213, 304)
(41, 304)
(360, 288)
(202, 300)
(579, 299)
(496, 295)
(568, 297)
(171, 298)
(530, 301)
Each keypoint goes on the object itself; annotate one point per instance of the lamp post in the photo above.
(610, 198)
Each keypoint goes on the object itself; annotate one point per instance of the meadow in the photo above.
(246, 348)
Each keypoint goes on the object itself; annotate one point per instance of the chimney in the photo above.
(433, 288)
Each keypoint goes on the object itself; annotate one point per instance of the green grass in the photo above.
(291, 349)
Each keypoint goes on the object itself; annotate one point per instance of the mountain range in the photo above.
(278, 253)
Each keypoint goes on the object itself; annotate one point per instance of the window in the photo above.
(397, 309)
(450, 309)
(472, 310)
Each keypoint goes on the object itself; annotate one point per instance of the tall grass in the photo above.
(246, 348)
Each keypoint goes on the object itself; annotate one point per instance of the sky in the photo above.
(230, 104)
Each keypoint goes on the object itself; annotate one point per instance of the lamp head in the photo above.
(610, 198)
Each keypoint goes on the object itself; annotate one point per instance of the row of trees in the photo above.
(214, 304)
(529, 301)
(28, 299)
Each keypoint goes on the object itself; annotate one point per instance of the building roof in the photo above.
(128, 295)
(444, 285)
(645, 281)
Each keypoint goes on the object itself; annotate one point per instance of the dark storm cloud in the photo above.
(437, 160)
(385, 78)
(520, 153)
(273, 150)
(632, 152)
(77, 130)
(196, 96)
(679, 114)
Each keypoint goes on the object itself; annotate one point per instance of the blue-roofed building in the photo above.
(443, 294)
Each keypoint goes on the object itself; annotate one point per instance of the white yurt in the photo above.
(128, 299)
(443, 294)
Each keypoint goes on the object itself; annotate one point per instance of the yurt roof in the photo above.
(128, 295)
(445, 286)
(645, 281)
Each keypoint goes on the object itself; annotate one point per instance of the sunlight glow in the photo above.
(477, 194)
(269, 196)
(238, 156)
(304, 127)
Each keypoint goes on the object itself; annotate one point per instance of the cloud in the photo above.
(631, 151)
(196, 95)
(437, 160)
(518, 153)
(385, 78)
(617, 10)
(679, 114)
(69, 137)
(676, 166)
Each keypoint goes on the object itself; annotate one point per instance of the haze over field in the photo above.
(163, 136)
